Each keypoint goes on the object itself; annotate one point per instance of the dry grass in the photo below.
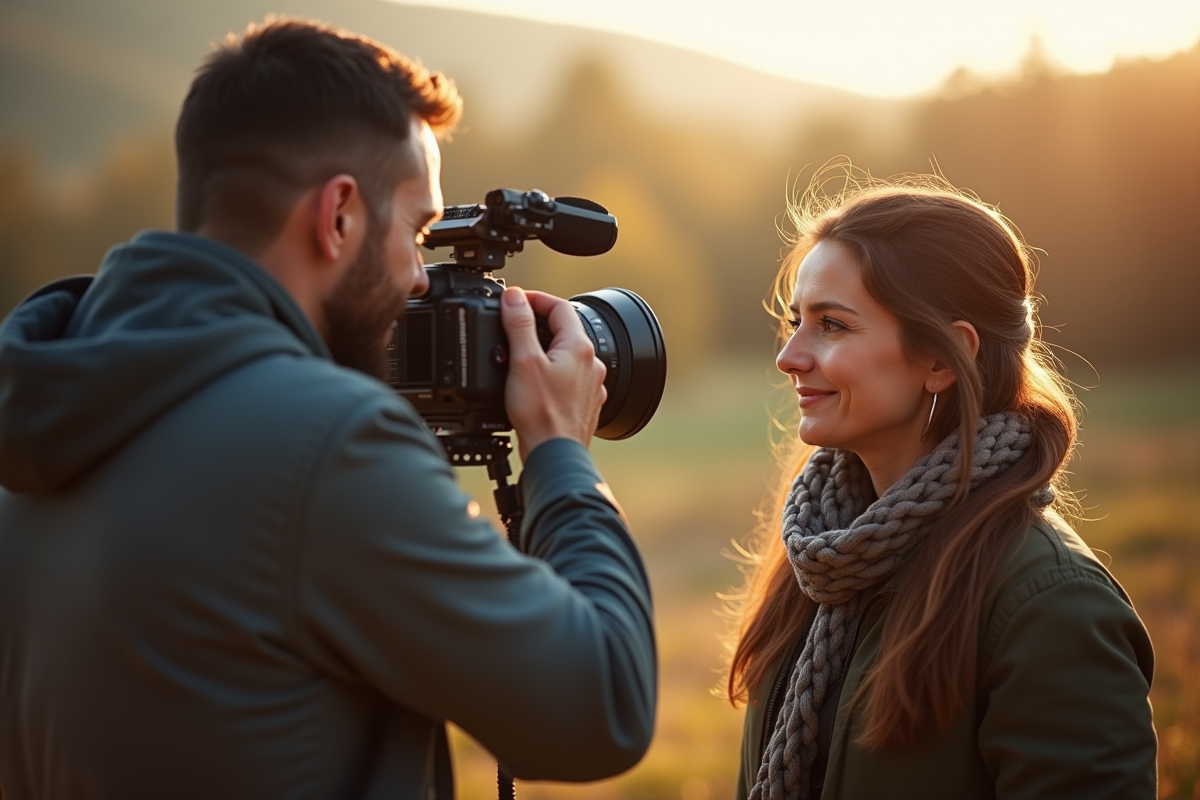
(1146, 518)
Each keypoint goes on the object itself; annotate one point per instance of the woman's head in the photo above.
(947, 274)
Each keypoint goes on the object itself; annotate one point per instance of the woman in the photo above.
(928, 626)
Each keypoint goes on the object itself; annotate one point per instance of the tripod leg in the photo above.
(504, 785)
(508, 504)
(508, 499)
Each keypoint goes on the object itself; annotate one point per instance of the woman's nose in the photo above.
(794, 357)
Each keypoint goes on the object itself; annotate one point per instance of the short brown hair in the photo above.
(285, 108)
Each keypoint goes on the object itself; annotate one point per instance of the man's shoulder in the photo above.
(297, 392)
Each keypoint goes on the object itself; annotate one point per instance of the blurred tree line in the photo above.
(46, 234)
(1101, 173)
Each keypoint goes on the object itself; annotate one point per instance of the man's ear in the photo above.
(341, 219)
(941, 376)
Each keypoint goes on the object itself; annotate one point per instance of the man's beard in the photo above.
(361, 309)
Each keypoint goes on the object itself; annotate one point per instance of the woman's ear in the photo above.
(969, 335)
(941, 376)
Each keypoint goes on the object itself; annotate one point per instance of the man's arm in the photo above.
(547, 661)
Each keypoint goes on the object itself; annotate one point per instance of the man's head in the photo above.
(370, 292)
(315, 152)
(290, 105)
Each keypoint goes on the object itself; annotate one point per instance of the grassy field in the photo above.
(1139, 472)
(690, 483)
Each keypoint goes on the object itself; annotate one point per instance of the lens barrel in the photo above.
(629, 340)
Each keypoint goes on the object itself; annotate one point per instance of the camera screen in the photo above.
(410, 353)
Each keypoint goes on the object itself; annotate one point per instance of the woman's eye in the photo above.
(829, 325)
(792, 324)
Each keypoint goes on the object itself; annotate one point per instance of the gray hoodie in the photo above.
(230, 568)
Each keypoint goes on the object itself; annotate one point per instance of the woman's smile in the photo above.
(810, 397)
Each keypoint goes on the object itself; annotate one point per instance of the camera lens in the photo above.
(629, 340)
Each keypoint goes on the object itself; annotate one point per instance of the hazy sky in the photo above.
(881, 47)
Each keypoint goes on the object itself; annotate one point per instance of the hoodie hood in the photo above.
(86, 363)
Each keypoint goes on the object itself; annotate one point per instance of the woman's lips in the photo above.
(810, 397)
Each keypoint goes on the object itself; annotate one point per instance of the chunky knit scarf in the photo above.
(841, 547)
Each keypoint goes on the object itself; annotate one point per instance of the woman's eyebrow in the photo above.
(823, 305)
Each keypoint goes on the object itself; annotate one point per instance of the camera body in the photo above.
(448, 353)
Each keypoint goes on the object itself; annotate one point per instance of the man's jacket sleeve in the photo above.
(399, 584)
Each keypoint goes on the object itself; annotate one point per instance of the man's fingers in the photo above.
(517, 316)
(543, 304)
(556, 393)
(559, 315)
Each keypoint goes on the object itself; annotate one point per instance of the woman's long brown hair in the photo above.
(931, 255)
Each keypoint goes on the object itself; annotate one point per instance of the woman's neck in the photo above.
(887, 468)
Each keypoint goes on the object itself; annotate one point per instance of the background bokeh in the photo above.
(697, 158)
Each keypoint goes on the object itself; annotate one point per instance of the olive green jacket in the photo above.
(1060, 707)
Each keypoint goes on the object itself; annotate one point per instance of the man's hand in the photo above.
(550, 393)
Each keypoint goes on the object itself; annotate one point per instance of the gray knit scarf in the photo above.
(841, 547)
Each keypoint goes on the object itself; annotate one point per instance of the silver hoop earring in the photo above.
(929, 422)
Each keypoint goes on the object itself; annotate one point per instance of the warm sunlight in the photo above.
(699, 126)
(879, 47)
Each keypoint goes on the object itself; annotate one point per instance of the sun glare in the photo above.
(884, 47)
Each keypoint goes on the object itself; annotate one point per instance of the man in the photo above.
(230, 567)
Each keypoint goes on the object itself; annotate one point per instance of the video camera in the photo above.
(448, 354)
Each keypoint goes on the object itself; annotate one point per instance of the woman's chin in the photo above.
(811, 434)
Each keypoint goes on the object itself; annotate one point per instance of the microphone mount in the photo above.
(484, 235)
